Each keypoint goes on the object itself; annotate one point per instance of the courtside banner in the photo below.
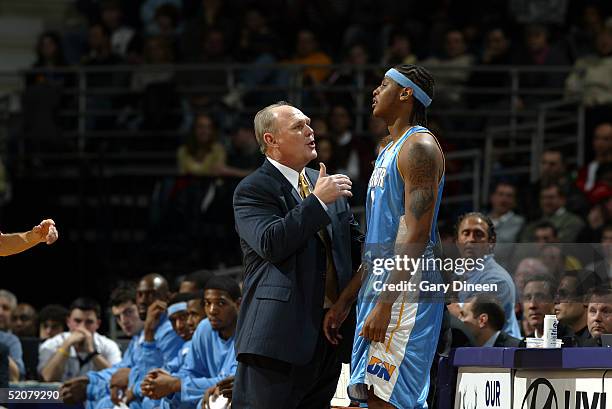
(564, 389)
(483, 388)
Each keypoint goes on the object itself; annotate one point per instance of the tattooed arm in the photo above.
(421, 166)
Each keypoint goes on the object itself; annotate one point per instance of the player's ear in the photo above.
(405, 94)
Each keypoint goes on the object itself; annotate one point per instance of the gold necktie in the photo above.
(331, 279)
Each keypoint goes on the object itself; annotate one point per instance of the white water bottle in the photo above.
(550, 331)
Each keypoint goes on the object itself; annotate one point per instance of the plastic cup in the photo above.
(534, 342)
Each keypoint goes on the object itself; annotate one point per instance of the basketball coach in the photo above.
(301, 247)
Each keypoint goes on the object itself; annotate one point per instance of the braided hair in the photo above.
(421, 77)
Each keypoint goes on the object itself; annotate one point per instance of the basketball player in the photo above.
(397, 332)
(13, 243)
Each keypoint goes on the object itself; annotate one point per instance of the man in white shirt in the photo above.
(79, 350)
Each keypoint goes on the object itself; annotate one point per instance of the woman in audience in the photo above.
(202, 155)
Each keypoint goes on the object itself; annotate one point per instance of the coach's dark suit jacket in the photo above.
(282, 304)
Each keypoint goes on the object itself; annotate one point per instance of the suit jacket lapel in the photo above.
(286, 187)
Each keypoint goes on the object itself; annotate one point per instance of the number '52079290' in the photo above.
(33, 395)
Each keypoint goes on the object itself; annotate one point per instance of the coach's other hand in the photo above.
(329, 188)
(333, 320)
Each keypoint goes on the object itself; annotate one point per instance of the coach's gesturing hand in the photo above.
(329, 188)
(375, 326)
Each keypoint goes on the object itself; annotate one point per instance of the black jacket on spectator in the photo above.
(505, 340)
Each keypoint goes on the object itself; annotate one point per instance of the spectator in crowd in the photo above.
(94, 386)
(538, 300)
(49, 54)
(202, 155)
(553, 169)
(599, 316)
(570, 306)
(307, 52)
(454, 73)
(599, 215)
(185, 313)
(8, 303)
(546, 233)
(258, 47)
(167, 24)
(507, 223)
(346, 151)
(496, 52)
(121, 35)
(24, 321)
(13, 243)
(211, 357)
(603, 267)
(552, 206)
(212, 81)
(159, 103)
(539, 52)
(476, 238)
(527, 267)
(16, 368)
(602, 151)
(243, 154)
(399, 50)
(583, 35)
(325, 154)
(209, 14)
(195, 281)
(377, 132)
(79, 350)
(52, 321)
(352, 74)
(592, 77)
(353, 154)
(101, 55)
(148, 12)
(157, 52)
(553, 258)
(485, 318)
(254, 28)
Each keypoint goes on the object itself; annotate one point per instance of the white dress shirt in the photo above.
(293, 177)
(105, 346)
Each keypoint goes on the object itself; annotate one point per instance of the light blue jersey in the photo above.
(397, 369)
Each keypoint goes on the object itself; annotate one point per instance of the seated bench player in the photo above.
(211, 358)
(185, 313)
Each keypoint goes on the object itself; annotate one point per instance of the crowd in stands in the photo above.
(152, 36)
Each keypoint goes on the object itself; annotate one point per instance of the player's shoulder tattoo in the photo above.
(421, 172)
